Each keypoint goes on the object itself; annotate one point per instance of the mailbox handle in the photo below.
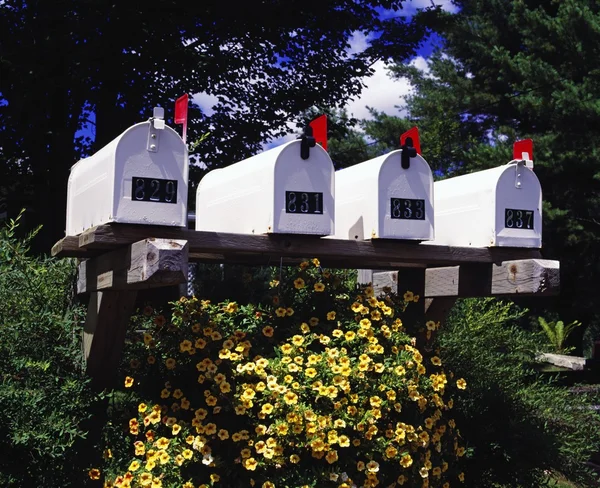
(306, 142)
(408, 151)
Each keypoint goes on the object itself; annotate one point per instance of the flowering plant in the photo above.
(322, 386)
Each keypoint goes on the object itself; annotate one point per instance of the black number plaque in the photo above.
(518, 219)
(153, 190)
(303, 202)
(407, 208)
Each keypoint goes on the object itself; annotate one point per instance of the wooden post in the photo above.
(113, 280)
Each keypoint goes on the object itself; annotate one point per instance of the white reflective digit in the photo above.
(396, 211)
(529, 217)
(407, 209)
(509, 218)
(291, 204)
(139, 189)
(317, 203)
(419, 213)
(304, 204)
(519, 220)
(155, 186)
(169, 191)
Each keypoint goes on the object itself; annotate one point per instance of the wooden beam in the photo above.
(149, 263)
(104, 334)
(510, 278)
(271, 249)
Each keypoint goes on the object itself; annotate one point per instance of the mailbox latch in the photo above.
(306, 142)
(520, 166)
(408, 151)
(157, 123)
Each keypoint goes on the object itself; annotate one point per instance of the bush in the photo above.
(518, 424)
(43, 391)
(321, 385)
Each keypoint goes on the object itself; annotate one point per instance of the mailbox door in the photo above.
(303, 192)
(518, 209)
(151, 186)
(405, 199)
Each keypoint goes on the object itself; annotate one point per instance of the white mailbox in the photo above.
(141, 177)
(382, 199)
(276, 191)
(497, 207)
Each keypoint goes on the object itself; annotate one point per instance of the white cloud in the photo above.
(410, 8)
(358, 41)
(382, 92)
(206, 102)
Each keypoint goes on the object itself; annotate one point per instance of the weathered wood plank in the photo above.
(148, 263)
(104, 334)
(270, 249)
(530, 277)
(510, 278)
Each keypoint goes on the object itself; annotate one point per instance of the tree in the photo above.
(514, 69)
(70, 65)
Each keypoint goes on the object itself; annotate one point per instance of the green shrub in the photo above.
(43, 390)
(518, 424)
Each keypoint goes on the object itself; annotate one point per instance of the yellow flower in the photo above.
(187, 454)
(316, 262)
(304, 328)
(344, 441)
(330, 315)
(297, 340)
(170, 363)
(289, 311)
(231, 307)
(280, 312)
(314, 321)
(128, 382)
(299, 283)
(267, 408)
(162, 443)
(214, 477)
(332, 456)
(436, 361)
(409, 296)
(134, 466)
(223, 434)
(424, 472)
(461, 476)
(461, 384)
(268, 331)
(294, 458)
(319, 287)
(142, 407)
(290, 398)
(372, 466)
(286, 348)
(406, 461)
(176, 428)
(250, 464)
(94, 474)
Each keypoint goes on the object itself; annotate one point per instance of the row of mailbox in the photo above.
(142, 178)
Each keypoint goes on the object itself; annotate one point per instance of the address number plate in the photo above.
(303, 202)
(518, 219)
(407, 208)
(153, 190)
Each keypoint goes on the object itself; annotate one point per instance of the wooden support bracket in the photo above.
(114, 279)
(509, 278)
(149, 263)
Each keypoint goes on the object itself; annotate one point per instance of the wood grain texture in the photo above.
(510, 278)
(148, 263)
(104, 334)
(271, 249)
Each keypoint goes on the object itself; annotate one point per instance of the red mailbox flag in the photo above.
(181, 113)
(523, 149)
(414, 135)
(319, 127)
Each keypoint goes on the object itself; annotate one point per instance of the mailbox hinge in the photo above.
(157, 123)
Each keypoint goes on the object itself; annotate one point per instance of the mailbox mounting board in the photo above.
(380, 199)
(497, 207)
(273, 192)
(141, 177)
